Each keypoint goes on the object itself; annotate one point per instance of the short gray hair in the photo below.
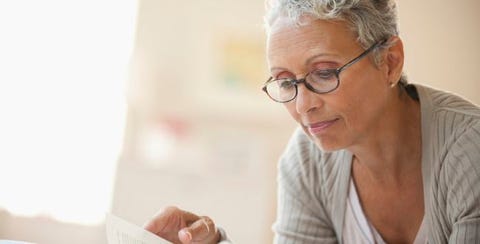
(371, 20)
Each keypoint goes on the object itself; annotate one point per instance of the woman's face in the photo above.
(351, 113)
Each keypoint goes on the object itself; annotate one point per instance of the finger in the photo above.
(189, 217)
(201, 230)
(161, 219)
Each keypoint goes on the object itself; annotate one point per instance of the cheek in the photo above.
(363, 97)
(348, 110)
(352, 109)
(362, 110)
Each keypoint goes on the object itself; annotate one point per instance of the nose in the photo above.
(306, 100)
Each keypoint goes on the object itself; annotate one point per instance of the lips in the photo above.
(320, 127)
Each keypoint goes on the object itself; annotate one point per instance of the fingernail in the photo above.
(185, 235)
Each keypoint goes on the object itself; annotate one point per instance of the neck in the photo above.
(392, 151)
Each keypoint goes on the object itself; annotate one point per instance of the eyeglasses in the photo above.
(320, 81)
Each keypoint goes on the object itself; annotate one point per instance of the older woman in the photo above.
(376, 160)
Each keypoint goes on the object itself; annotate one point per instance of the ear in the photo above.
(394, 60)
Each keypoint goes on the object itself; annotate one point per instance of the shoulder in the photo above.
(444, 104)
(463, 154)
(304, 157)
(450, 119)
(300, 151)
(304, 166)
(303, 214)
(452, 127)
(459, 178)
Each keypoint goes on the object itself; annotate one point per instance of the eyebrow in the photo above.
(307, 62)
(272, 69)
(310, 59)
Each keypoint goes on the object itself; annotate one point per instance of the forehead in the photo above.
(287, 40)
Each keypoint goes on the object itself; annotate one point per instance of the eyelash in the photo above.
(290, 75)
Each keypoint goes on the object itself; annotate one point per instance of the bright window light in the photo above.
(62, 108)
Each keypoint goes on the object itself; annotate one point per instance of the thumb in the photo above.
(201, 230)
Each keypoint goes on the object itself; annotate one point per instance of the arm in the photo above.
(301, 218)
(463, 182)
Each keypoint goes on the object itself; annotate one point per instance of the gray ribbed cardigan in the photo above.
(313, 185)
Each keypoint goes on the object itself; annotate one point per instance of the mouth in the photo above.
(317, 128)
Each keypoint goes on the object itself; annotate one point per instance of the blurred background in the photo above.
(131, 106)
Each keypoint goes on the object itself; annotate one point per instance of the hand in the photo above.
(182, 227)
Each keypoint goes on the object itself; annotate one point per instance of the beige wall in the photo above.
(442, 48)
(225, 166)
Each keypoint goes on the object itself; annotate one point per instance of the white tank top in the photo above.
(358, 230)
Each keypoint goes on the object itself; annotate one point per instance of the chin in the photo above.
(326, 143)
(328, 147)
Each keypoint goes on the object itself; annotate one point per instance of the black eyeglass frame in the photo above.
(336, 72)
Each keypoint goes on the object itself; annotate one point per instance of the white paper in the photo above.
(120, 231)
(13, 242)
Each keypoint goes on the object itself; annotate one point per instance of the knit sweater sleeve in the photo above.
(301, 217)
(462, 176)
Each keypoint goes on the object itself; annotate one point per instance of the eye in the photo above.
(285, 83)
(323, 75)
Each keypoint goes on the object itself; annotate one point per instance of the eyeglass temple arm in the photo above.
(361, 55)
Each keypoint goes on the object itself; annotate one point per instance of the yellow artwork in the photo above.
(243, 63)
